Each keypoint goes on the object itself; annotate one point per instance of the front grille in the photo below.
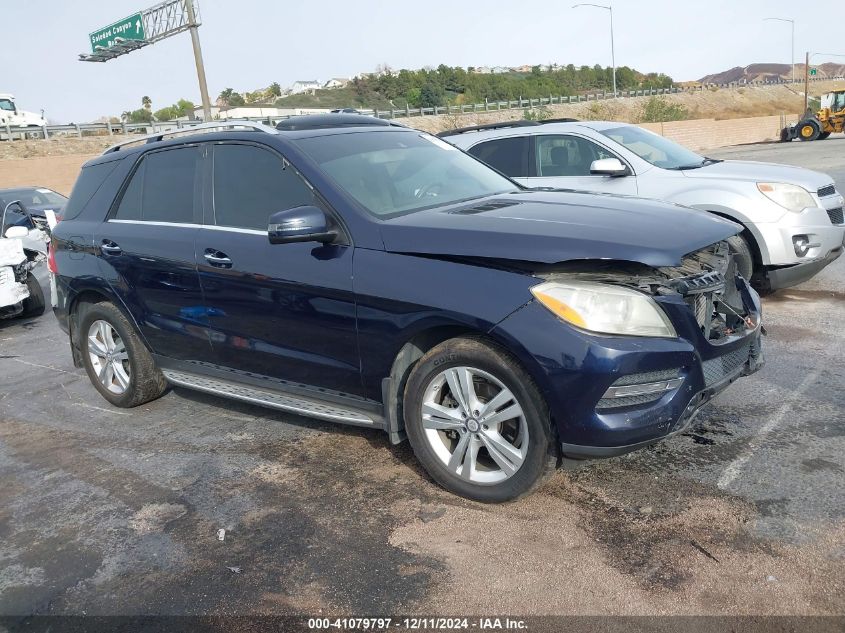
(829, 190)
(835, 215)
(718, 369)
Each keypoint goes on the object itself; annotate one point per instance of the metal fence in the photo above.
(9, 133)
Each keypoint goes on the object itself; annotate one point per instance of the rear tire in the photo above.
(492, 455)
(117, 362)
(33, 306)
(743, 257)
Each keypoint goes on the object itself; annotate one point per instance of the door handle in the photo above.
(217, 258)
(110, 248)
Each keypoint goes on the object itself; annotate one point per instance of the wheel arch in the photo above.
(415, 348)
(749, 232)
(90, 294)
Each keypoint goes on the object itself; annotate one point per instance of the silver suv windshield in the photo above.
(655, 149)
(392, 173)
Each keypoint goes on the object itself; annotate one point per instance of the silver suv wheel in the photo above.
(474, 425)
(108, 356)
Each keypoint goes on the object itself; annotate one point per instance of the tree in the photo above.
(147, 103)
(141, 115)
(432, 95)
(185, 107)
(275, 90)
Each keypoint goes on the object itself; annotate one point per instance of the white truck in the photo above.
(12, 116)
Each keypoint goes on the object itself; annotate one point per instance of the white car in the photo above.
(792, 217)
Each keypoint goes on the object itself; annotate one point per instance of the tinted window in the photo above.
(163, 187)
(251, 183)
(395, 172)
(89, 181)
(508, 155)
(564, 155)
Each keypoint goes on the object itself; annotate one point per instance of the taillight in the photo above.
(51, 260)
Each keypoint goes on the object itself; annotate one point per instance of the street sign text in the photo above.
(131, 28)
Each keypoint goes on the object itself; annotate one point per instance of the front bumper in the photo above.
(575, 370)
(799, 273)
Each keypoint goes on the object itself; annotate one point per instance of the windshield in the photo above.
(34, 197)
(655, 149)
(392, 173)
(5, 104)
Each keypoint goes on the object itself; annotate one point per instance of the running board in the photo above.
(274, 400)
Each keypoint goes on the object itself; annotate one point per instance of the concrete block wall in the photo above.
(703, 134)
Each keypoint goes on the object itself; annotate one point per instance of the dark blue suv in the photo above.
(361, 272)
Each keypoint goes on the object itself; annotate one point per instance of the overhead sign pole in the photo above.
(195, 41)
(148, 27)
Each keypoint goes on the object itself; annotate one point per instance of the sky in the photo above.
(248, 44)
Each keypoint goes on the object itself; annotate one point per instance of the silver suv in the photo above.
(792, 216)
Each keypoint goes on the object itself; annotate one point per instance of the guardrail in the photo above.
(9, 133)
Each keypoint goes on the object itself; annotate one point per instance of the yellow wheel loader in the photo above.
(829, 119)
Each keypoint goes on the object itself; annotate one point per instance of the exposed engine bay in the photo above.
(706, 279)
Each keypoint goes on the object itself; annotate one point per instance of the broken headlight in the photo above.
(604, 309)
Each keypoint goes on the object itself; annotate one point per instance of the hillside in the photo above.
(771, 72)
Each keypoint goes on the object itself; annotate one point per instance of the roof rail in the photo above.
(488, 126)
(191, 129)
(563, 120)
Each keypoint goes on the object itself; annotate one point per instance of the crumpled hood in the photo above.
(751, 171)
(556, 226)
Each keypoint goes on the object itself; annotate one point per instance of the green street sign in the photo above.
(813, 71)
(131, 28)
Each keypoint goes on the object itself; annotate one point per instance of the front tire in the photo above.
(743, 257)
(477, 422)
(808, 131)
(823, 135)
(117, 362)
(33, 305)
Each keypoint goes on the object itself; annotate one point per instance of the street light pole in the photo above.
(195, 41)
(792, 59)
(612, 46)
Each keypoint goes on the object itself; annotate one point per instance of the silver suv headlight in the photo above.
(790, 197)
(604, 309)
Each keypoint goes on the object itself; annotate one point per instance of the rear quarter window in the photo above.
(90, 180)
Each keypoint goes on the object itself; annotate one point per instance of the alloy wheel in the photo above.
(475, 425)
(108, 356)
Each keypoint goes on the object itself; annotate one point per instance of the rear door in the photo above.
(285, 311)
(146, 250)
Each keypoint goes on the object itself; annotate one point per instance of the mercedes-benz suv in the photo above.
(357, 271)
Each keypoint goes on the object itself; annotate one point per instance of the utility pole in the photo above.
(195, 40)
(806, 81)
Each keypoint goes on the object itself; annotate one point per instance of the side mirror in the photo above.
(609, 167)
(300, 224)
(15, 232)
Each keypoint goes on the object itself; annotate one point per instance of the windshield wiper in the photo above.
(703, 163)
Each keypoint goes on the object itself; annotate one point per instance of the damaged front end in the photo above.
(15, 267)
(645, 388)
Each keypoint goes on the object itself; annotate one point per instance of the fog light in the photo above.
(801, 243)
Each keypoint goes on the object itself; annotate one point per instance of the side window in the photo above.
(563, 155)
(164, 188)
(250, 184)
(508, 155)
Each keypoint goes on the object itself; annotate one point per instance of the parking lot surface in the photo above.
(109, 511)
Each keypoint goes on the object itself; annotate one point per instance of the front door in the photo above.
(281, 310)
(564, 160)
(147, 251)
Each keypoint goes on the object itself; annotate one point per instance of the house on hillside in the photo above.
(482, 70)
(301, 86)
(336, 82)
(525, 68)
(500, 70)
